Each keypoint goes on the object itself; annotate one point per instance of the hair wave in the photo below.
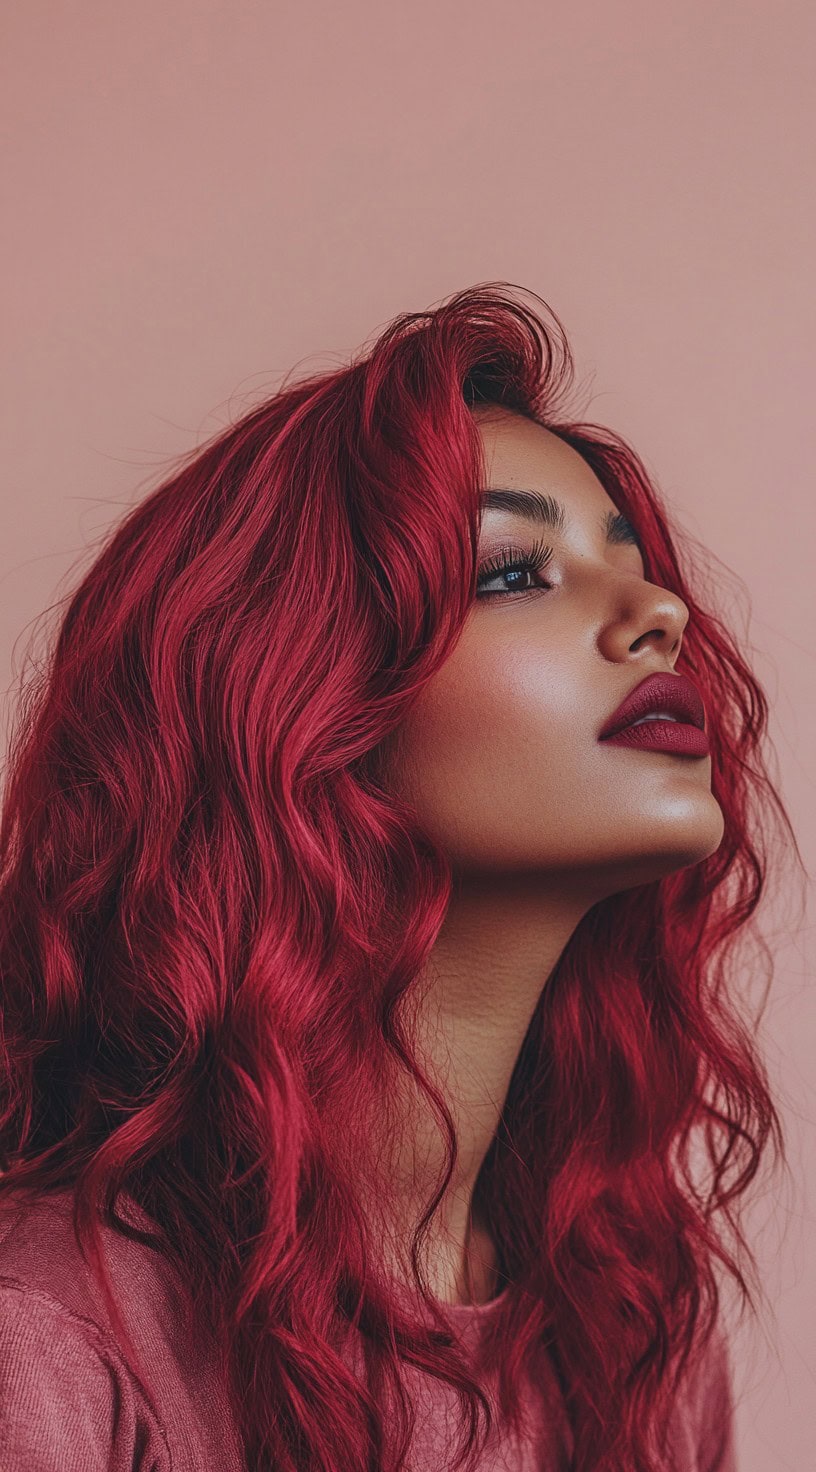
(213, 913)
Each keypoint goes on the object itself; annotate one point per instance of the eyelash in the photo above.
(512, 559)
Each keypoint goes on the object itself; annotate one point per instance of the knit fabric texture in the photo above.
(69, 1401)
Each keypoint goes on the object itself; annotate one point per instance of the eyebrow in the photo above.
(546, 511)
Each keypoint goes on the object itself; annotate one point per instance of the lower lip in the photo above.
(673, 736)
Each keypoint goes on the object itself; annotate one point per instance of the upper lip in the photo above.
(674, 694)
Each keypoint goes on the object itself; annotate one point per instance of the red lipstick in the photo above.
(674, 718)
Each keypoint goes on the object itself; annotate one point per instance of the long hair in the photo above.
(214, 915)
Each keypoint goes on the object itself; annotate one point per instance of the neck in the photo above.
(482, 981)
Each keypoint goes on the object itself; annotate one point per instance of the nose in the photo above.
(642, 616)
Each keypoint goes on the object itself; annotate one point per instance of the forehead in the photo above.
(520, 453)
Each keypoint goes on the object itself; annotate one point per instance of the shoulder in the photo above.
(173, 1398)
(38, 1247)
(67, 1400)
(40, 1257)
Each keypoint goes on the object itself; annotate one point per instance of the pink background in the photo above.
(201, 196)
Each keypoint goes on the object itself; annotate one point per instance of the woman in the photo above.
(374, 847)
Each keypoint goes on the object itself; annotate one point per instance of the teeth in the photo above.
(657, 715)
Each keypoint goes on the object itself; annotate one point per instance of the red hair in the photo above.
(212, 914)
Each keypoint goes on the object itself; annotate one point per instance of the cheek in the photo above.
(499, 752)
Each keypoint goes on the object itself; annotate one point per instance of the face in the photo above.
(500, 757)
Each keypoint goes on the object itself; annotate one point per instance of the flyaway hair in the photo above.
(214, 915)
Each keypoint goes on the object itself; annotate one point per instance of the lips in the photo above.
(672, 695)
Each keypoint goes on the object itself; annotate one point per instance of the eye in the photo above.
(512, 562)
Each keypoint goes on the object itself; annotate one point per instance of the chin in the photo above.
(678, 851)
(689, 830)
(682, 855)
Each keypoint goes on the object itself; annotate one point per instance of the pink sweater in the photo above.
(69, 1402)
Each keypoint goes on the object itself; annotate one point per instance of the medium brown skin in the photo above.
(501, 762)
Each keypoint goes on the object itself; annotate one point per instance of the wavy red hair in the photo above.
(213, 913)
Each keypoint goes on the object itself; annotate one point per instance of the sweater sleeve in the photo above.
(68, 1403)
